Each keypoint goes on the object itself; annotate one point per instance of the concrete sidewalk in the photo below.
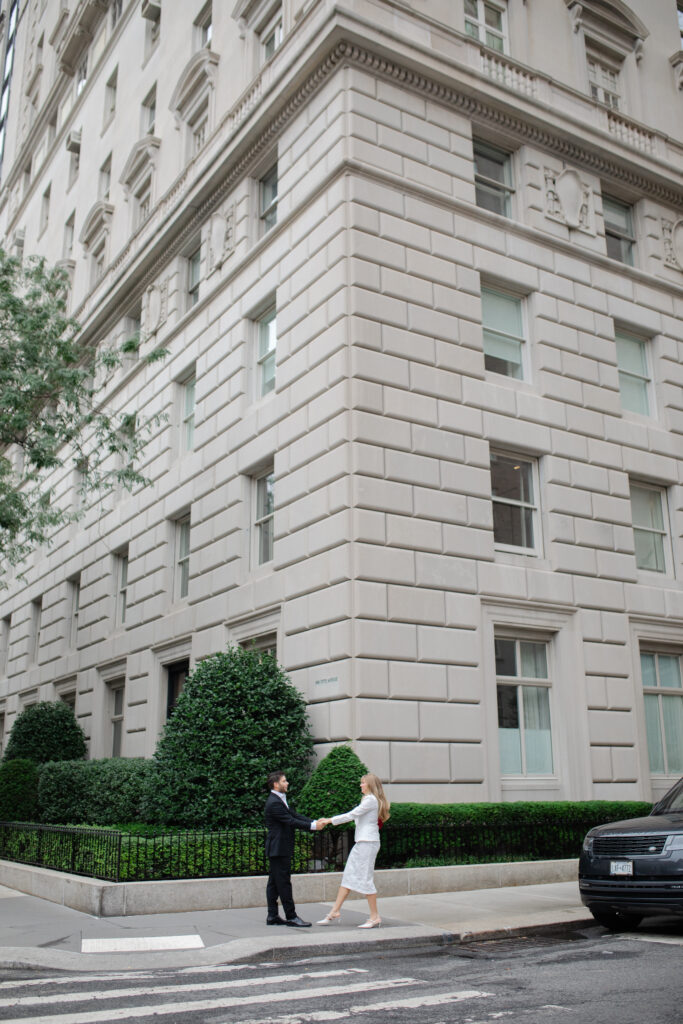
(37, 933)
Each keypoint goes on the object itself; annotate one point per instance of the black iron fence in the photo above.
(121, 857)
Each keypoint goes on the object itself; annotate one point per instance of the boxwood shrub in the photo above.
(101, 792)
(18, 790)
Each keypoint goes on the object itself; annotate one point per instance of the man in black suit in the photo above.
(281, 822)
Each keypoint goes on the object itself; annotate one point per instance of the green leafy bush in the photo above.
(521, 812)
(101, 792)
(47, 731)
(18, 790)
(237, 719)
(334, 786)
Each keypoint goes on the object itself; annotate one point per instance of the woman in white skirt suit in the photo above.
(358, 873)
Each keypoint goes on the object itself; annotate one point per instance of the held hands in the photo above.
(322, 822)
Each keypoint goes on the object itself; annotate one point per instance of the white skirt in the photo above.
(359, 868)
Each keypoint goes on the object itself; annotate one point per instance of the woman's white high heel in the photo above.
(371, 923)
(336, 919)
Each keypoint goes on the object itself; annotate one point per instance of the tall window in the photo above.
(82, 75)
(74, 598)
(5, 632)
(121, 567)
(148, 112)
(603, 80)
(116, 9)
(110, 96)
(267, 343)
(143, 202)
(523, 690)
(680, 23)
(487, 22)
(263, 523)
(503, 333)
(69, 231)
(104, 184)
(199, 127)
(515, 511)
(182, 580)
(204, 27)
(117, 698)
(176, 675)
(36, 628)
(271, 36)
(194, 263)
(268, 199)
(45, 209)
(619, 236)
(492, 179)
(634, 376)
(188, 403)
(663, 694)
(650, 534)
(7, 70)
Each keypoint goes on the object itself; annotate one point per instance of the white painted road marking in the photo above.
(141, 943)
(412, 1003)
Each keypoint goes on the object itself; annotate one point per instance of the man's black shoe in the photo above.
(275, 920)
(296, 922)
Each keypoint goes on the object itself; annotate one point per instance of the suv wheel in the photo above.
(616, 920)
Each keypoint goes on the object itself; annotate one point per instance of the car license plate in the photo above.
(621, 867)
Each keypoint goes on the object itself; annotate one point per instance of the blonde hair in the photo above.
(375, 787)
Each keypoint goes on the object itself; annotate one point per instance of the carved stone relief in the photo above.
(221, 237)
(156, 306)
(569, 200)
(672, 234)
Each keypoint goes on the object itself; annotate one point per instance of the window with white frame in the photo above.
(143, 202)
(650, 530)
(486, 21)
(74, 166)
(492, 178)
(270, 36)
(268, 199)
(203, 27)
(662, 679)
(148, 112)
(36, 629)
(45, 209)
(74, 599)
(198, 129)
(264, 518)
(151, 12)
(182, 561)
(69, 234)
(619, 235)
(194, 267)
(104, 183)
(265, 643)
(503, 333)
(117, 697)
(515, 507)
(187, 389)
(110, 91)
(98, 261)
(5, 633)
(176, 676)
(116, 11)
(603, 79)
(265, 361)
(82, 75)
(121, 576)
(634, 374)
(523, 692)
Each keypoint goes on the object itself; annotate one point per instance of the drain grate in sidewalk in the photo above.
(514, 944)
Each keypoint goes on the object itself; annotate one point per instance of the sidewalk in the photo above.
(37, 933)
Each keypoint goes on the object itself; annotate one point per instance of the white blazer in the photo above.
(365, 816)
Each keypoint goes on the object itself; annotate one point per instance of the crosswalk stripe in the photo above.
(111, 976)
(411, 1003)
(165, 990)
(162, 1009)
(141, 943)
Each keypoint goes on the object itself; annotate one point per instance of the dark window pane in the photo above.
(506, 662)
(508, 712)
(513, 525)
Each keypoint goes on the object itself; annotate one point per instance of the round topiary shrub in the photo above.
(334, 786)
(237, 719)
(18, 790)
(47, 731)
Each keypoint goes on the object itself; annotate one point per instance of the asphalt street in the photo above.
(589, 976)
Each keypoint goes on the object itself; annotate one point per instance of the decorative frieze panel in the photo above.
(672, 234)
(156, 307)
(569, 200)
(221, 237)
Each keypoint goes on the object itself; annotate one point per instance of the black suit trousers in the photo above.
(280, 884)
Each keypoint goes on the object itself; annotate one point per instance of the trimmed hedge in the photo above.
(521, 812)
(46, 731)
(106, 791)
(18, 790)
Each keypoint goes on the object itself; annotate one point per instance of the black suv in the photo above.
(632, 868)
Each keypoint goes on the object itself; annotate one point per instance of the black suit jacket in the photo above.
(281, 822)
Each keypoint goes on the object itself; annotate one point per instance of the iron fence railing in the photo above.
(119, 856)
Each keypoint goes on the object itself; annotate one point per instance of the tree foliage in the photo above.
(334, 786)
(18, 790)
(237, 719)
(47, 731)
(50, 379)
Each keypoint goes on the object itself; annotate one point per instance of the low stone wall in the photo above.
(111, 899)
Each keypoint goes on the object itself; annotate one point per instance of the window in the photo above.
(194, 263)
(267, 342)
(182, 541)
(619, 237)
(634, 376)
(45, 209)
(188, 406)
(492, 179)
(176, 675)
(603, 80)
(110, 97)
(99, 261)
(515, 512)
(268, 199)
(680, 24)
(524, 733)
(148, 112)
(7, 70)
(487, 22)
(271, 35)
(5, 631)
(104, 184)
(74, 166)
(199, 127)
(36, 627)
(264, 518)
(663, 695)
(650, 534)
(69, 232)
(204, 27)
(143, 202)
(503, 333)
(117, 696)
(81, 75)
(151, 12)
(74, 599)
(116, 9)
(264, 644)
(121, 571)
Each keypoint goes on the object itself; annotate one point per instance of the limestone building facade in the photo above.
(418, 267)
